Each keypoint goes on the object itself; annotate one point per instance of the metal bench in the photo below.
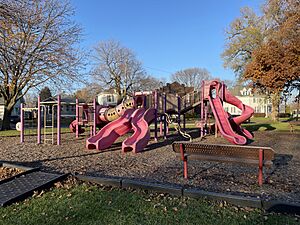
(251, 155)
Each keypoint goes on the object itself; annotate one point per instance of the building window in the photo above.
(254, 100)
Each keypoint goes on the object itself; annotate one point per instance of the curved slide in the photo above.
(247, 112)
(141, 135)
(225, 125)
(110, 132)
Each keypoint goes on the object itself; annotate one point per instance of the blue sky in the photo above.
(166, 35)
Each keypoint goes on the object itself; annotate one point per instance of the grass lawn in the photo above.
(84, 204)
(266, 124)
(7, 133)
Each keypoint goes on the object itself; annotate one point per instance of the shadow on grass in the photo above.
(262, 126)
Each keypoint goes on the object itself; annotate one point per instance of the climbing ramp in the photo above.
(23, 185)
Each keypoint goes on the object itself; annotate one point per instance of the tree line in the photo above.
(39, 47)
(264, 49)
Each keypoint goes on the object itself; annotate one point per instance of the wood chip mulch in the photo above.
(159, 164)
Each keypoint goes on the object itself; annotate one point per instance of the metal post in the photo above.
(202, 109)
(77, 118)
(144, 101)
(39, 121)
(184, 118)
(179, 108)
(156, 111)
(184, 159)
(95, 117)
(165, 118)
(58, 119)
(22, 123)
(260, 168)
(205, 119)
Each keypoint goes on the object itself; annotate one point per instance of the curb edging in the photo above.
(237, 200)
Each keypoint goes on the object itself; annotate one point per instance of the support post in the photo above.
(202, 108)
(156, 111)
(39, 121)
(22, 123)
(95, 117)
(145, 101)
(58, 119)
(260, 167)
(165, 118)
(184, 159)
(77, 118)
(205, 119)
(160, 127)
(179, 108)
(184, 117)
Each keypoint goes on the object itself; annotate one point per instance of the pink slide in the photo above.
(247, 112)
(110, 132)
(141, 136)
(226, 128)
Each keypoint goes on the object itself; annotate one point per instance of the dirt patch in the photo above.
(158, 163)
(6, 172)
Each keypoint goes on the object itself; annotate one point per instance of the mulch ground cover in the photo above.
(6, 172)
(158, 163)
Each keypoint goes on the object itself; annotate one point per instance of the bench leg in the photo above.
(185, 168)
(260, 167)
(184, 159)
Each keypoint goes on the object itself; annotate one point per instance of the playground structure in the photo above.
(215, 93)
(132, 114)
(46, 113)
(137, 112)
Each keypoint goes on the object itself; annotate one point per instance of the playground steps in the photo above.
(20, 187)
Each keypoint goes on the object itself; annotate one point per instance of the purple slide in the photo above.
(141, 135)
(225, 125)
(110, 132)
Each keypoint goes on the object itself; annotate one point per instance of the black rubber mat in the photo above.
(23, 186)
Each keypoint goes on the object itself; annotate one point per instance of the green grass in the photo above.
(7, 133)
(93, 205)
(266, 124)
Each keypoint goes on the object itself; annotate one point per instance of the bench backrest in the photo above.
(225, 153)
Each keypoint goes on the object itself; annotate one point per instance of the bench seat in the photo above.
(250, 155)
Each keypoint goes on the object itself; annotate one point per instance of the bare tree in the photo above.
(117, 67)
(88, 93)
(191, 77)
(37, 46)
(149, 83)
(244, 35)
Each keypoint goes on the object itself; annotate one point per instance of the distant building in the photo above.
(260, 103)
(176, 88)
(109, 97)
(15, 111)
(68, 106)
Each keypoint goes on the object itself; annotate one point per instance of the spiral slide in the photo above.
(141, 133)
(110, 132)
(230, 129)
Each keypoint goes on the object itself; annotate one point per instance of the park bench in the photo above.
(250, 155)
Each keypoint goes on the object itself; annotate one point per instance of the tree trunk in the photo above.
(275, 106)
(6, 119)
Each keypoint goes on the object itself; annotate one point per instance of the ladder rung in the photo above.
(48, 127)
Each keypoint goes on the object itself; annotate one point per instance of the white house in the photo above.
(107, 98)
(260, 103)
